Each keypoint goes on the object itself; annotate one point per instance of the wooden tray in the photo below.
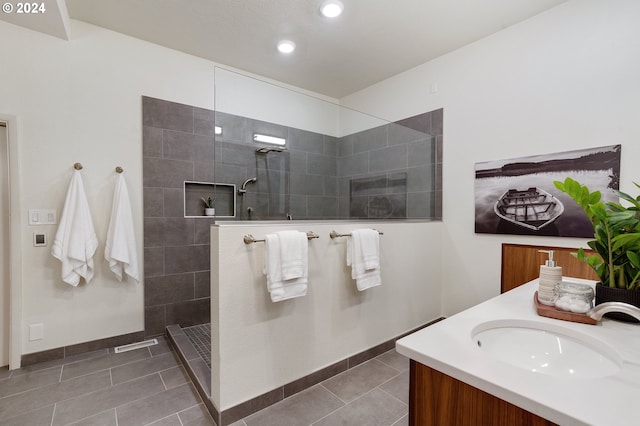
(552, 312)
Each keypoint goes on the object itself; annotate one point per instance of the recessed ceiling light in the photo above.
(331, 8)
(286, 46)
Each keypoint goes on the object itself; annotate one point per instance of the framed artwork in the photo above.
(517, 196)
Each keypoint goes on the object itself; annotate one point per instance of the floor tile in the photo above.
(29, 381)
(102, 363)
(61, 361)
(404, 421)
(161, 348)
(106, 418)
(157, 406)
(173, 377)
(146, 366)
(398, 387)
(47, 395)
(78, 408)
(172, 420)
(359, 380)
(301, 409)
(4, 373)
(196, 416)
(375, 408)
(40, 417)
(395, 360)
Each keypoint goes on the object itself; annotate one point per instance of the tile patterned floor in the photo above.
(375, 393)
(200, 336)
(148, 386)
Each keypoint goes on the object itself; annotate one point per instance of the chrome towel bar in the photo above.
(250, 239)
(334, 234)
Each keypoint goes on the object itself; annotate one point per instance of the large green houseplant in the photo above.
(616, 241)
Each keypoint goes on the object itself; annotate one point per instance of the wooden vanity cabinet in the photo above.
(436, 399)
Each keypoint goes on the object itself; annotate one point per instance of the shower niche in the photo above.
(222, 193)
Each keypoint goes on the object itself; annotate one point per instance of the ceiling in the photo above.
(371, 41)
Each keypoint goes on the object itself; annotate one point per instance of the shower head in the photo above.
(243, 188)
(266, 150)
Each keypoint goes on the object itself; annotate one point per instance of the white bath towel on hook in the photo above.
(75, 242)
(120, 248)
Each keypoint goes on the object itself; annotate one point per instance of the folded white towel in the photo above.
(279, 288)
(293, 253)
(75, 242)
(120, 248)
(366, 277)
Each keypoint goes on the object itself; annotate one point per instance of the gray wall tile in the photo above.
(371, 139)
(178, 231)
(173, 202)
(153, 261)
(166, 173)
(178, 259)
(152, 141)
(392, 158)
(306, 141)
(167, 115)
(168, 289)
(153, 202)
(351, 165)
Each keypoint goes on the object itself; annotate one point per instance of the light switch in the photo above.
(42, 217)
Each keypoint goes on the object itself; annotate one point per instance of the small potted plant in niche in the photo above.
(209, 210)
(617, 242)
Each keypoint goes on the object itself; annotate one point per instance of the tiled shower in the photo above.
(388, 172)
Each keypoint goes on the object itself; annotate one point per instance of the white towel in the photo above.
(75, 242)
(120, 248)
(293, 253)
(280, 289)
(362, 241)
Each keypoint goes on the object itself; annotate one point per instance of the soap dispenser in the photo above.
(550, 275)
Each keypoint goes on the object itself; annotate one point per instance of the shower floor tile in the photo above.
(200, 336)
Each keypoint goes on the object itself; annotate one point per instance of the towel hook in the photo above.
(119, 169)
(77, 166)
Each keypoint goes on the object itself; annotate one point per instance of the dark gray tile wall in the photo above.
(178, 146)
(411, 147)
(312, 179)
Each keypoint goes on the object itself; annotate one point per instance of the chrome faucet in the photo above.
(599, 310)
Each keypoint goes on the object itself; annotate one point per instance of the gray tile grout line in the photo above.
(61, 367)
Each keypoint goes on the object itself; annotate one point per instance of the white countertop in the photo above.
(448, 347)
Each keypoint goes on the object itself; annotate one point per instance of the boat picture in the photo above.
(532, 208)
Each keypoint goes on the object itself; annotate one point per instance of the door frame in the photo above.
(15, 241)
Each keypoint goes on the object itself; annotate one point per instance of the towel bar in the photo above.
(334, 234)
(250, 239)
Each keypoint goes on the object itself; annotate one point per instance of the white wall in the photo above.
(80, 101)
(258, 345)
(564, 80)
(4, 247)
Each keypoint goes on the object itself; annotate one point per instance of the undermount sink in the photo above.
(540, 348)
